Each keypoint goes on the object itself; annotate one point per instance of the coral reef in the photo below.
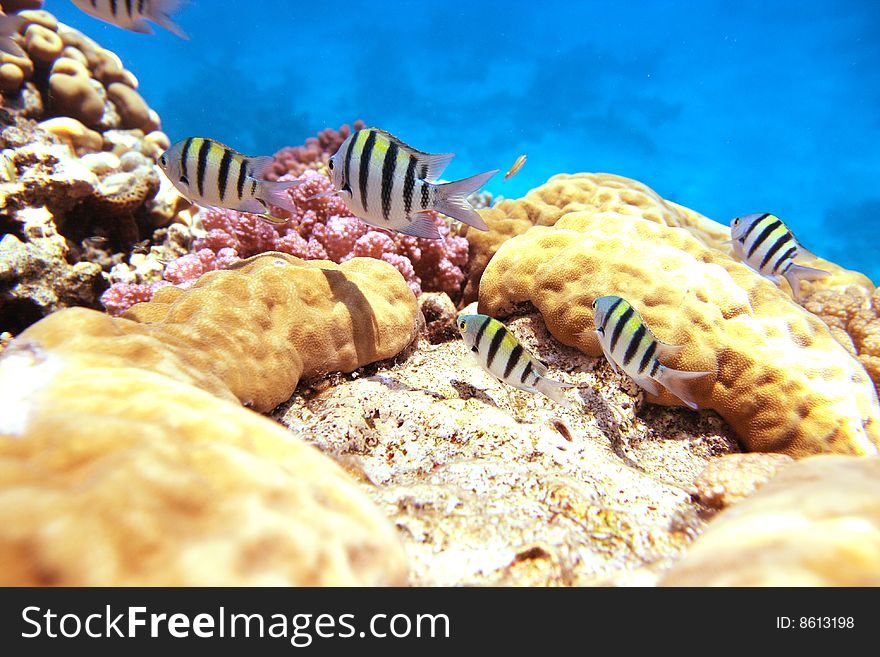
(852, 313)
(67, 74)
(322, 228)
(490, 485)
(782, 381)
(816, 523)
(314, 154)
(124, 470)
(731, 478)
(85, 190)
(602, 192)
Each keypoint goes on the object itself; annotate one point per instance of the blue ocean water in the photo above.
(725, 106)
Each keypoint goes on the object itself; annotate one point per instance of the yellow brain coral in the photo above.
(118, 467)
(782, 381)
(603, 192)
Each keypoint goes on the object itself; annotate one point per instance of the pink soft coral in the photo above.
(320, 228)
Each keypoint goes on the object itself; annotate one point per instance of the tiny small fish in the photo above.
(391, 185)
(209, 173)
(767, 246)
(11, 173)
(516, 167)
(501, 354)
(10, 24)
(627, 342)
(133, 15)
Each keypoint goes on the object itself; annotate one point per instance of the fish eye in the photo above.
(736, 222)
(461, 326)
(162, 160)
(330, 164)
(594, 302)
(184, 180)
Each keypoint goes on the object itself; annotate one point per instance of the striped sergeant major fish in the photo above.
(501, 354)
(209, 173)
(133, 15)
(391, 185)
(9, 26)
(628, 343)
(767, 246)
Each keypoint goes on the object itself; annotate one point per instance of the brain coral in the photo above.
(602, 192)
(118, 467)
(782, 381)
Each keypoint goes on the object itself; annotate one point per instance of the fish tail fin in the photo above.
(677, 382)
(554, 390)
(452, 199)
(160, 13)
(10, 47)
(275, 193)
(798, 273)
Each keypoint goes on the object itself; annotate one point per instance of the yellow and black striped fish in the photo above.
(209, 173)
(766, 245)
(504, 357)
(627, 342)
(391, 185)
(133, 14)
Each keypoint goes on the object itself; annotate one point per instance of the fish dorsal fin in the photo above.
(665, 351)
(436, 162)
(258, 166)
(436, 165)
(422, 226)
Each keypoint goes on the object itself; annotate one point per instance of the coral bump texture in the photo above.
(782, 380)
(118, 467)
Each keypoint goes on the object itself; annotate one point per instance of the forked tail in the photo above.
(451, 199)
(678, 383)
(798, 273)
(554, 390)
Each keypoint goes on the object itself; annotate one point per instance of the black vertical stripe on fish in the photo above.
(242, 174)
(223, 175)
(184, 157)
(610, 312)
(785, 256)
(497, 339)
(482, 330)
(346, 171)
(512, 360)
(525, 373)
(253, 187)
(787, 267)
(773, 249)
(423, 173)
(618, 328)
(113, 7)
(128, 7)
(633, 345)
(649, 353)
(754, 225)
(409, 184)
(95, 4)
(388, 167)
(364, 172)
(202, 165)
(141, 7)
(654, 367)
(763, 236)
